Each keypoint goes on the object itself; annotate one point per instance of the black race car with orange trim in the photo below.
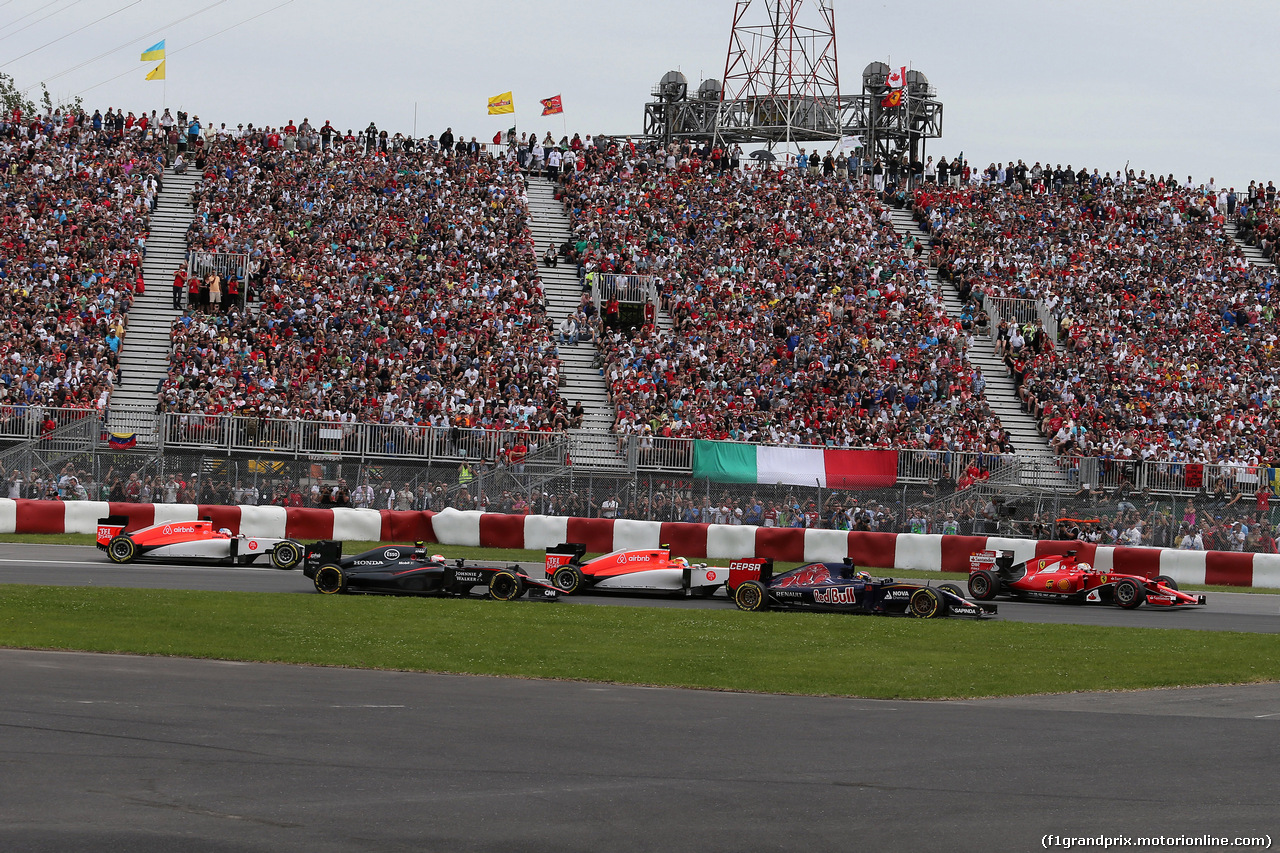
(413, 570)
(841, 588)
(193, 542)
(1068, 580)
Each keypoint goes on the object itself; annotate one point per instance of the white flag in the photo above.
(897, 79)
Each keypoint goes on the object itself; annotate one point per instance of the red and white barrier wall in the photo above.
(714, 541)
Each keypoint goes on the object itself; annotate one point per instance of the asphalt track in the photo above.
(117, 753)
(75, 565)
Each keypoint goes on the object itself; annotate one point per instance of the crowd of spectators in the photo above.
(798, 314)
(1165, 333)
(390, 281)
(76, 196)
(1255, 214)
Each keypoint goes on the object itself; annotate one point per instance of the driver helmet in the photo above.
(224, 531)
(680, 563)
(1084, 566)
(865, 577)
(437, 558)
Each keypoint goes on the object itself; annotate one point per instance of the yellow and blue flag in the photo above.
(156, 51)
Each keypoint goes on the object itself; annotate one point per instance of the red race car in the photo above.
(1063, 578)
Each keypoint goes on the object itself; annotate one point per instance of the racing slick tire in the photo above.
(121, 549)
(330, 579)
(286, 555)
(926, 603)
(952, 588)
(1128, 595)
(1167, 581)
(983, 585)
(751, 596)
(567, 579)
(506, 586)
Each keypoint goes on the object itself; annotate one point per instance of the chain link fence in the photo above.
(1221, 518)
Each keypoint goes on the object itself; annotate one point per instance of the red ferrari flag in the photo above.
(552, 106)
(893, 99)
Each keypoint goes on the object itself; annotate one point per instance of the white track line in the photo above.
(145, 566)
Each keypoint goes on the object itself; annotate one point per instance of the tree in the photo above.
(11, 98)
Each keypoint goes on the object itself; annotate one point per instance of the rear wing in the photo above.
(749, 569)
(562, 555)
(990, 560)
(109, 528)
(324, 551)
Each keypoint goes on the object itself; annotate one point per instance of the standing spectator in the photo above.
(215, 291)
(179, 285)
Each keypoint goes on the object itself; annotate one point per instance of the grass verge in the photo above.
(799, 653)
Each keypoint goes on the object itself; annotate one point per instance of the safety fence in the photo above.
(225, 264)
(343, 440)
(1020, 311)
(36, 433)
(1220, 519)
(626, 289)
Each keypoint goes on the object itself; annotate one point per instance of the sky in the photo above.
(1176, 86)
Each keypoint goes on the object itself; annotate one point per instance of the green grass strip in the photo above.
(800, 653)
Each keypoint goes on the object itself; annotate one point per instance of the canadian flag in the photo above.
(897, 79)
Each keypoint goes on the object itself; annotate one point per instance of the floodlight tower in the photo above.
(782, 85)
(782, 78)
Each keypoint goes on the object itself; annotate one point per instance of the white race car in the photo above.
(194, 541)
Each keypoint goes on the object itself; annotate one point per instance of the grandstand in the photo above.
(385, 311)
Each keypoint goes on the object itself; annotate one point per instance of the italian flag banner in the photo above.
(730, 462)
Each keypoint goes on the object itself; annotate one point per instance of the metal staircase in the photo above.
(1251, 253)
(144, 354)
(1036, 460)
(581, 379)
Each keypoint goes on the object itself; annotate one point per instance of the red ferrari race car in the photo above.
(1065, 579)
(644, 570)
(194, 541)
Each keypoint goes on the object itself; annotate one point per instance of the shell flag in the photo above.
(552, 106)
(500, 104)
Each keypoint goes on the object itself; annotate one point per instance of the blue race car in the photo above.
(840, 588)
